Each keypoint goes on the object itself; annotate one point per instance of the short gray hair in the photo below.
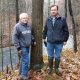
(23, 14)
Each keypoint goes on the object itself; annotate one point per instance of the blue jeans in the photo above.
(54, 50)
(24, 61)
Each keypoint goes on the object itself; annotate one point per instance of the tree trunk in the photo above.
(17, 19)
(54, 1)
(73, 24)
(37, 25)
(48, 7)
(17, 11)
(65, 8)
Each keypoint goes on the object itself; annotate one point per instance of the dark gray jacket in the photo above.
(21, 36)
(57, 33)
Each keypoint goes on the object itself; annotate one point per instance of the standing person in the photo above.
(22, 37)
(56, 33)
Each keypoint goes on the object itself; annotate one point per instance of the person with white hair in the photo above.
(22, 39)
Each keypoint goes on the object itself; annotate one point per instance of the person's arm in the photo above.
(15, 38)
(65, 31)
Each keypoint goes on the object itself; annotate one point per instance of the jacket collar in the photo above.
(57, 17)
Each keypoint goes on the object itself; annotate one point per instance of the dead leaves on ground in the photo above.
(69, 67)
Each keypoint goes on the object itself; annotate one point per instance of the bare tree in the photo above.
(65, 8)
(73, 25)
(54, 1)
(37, 25)
(17, 11)
(48, 7)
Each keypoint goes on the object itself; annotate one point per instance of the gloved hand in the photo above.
(45, 42)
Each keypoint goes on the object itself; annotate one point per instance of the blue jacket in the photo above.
(57, 33)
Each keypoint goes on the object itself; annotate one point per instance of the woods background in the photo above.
(10, 10)
(38, 11)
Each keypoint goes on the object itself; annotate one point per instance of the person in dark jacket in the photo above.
(22, 39)
(55, 33)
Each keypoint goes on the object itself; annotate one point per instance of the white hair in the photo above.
(23, 14)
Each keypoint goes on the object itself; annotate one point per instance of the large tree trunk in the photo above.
(37, 25)
(73, 24)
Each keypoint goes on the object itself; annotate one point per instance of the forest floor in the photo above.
(69, 68)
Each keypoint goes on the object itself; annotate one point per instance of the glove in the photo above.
(45, 43)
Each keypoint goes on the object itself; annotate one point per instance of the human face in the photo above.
(54, 11)
(24, 19)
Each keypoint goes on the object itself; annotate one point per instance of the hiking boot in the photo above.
(57, 71)
(50, 62)
(57, 62)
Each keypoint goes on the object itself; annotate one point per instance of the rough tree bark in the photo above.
(37, 25)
